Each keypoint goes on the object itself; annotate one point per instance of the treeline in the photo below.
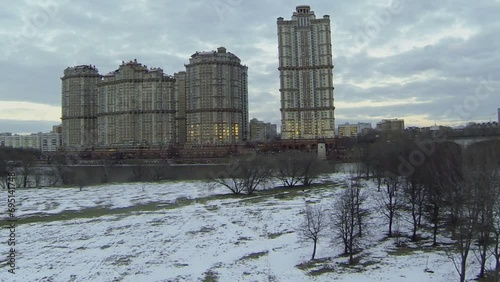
(20, 160)
(62, 171)
(437, 184)
(246, 174)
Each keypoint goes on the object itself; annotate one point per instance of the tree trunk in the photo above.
(484, 244)
(435, 227)
(497, 269)
(360, 229)
(419, 224)
(463, 268)
(351, 244)
(483, 263)
(390, 223)
(314, 250)
(359, 219)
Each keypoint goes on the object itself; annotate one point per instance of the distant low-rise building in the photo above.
(348, 130)
(50, 142)
(353, 130)
(262, 131)
(391, 125)
(44, 142)
(57, 129)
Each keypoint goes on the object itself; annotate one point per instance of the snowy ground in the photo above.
(183, 231)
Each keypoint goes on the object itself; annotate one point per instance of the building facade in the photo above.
(306, 76)
(216, 99)
(348, 130)
(44, 142)
(262, 131)
(353, 130)
(180, 106)
(136, 106)
(391, 125)
(79, 106)
(139, 106)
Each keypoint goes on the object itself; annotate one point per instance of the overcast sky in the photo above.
(425, 61)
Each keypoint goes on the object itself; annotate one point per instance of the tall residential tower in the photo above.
(79, 106)
(216, 99)
(136, 107)
(306, 76)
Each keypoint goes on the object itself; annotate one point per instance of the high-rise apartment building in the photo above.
(216, 99)
(136, 106)
(306, 76)
(139, 106)
(180, 106)
(79, 106)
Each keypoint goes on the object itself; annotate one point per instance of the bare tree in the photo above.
(486, 198)
(348, 218)
(359, 198)
(5, 168)
(53, 177)
(244, 175)
(20, 160)
(139, 171)
(65, 172)
(289, 168)
(414, 195)
(81, 180)
(433, 172)
(161, 171)
(389, 201)
(483, 162)
(462, 195)
(296, 167)
(313, 225)
(496, 234)
(107, 164)
(38, 179)
(27, 165)
(311, 168)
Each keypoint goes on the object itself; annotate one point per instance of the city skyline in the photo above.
(422, 61)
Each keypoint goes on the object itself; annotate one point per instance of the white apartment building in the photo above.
(45, 142)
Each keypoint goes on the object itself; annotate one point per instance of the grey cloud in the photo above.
(165, 33)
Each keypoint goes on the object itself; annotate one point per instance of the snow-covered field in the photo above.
(184, 231)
